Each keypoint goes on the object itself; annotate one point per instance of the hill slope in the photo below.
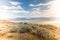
(26, 31)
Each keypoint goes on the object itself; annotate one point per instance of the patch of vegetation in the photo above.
(41, 31)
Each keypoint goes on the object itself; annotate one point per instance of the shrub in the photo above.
(42, 31)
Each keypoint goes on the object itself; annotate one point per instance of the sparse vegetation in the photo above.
(43, 32)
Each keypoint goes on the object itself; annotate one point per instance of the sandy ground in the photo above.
(18, 36)
(58, 34)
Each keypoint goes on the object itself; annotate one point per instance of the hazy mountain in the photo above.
(34, 19)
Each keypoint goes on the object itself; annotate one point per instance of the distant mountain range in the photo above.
(34, 19)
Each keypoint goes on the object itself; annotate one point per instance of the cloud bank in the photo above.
(13, 9)
(52, 10)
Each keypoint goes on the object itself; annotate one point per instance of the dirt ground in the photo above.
(17, 36)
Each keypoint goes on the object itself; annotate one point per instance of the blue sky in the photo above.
(27, 7)
(26, 3)
(10, 9)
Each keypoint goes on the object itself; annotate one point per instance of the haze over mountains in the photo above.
(38, 19)
(32, 19)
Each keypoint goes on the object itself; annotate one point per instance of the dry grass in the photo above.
(27, 31)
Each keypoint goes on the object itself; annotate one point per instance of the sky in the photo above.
(10, 9)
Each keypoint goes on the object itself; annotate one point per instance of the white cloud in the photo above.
(4, 7)
(36, 12)
(15, 3)
(4, 14)
(40, 4)
(12, 9)
(31, 5)
(7, 12)
(15, 8)
(19, 11)
(53, 11)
